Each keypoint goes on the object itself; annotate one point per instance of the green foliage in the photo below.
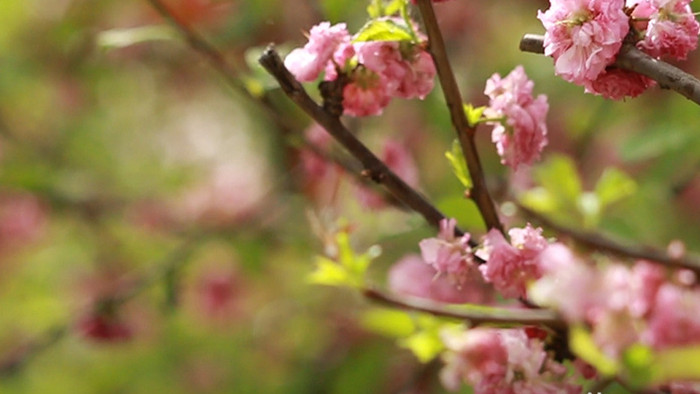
(417, 332)
(462, 209)
(459, 164)
(384, 30)
(378, 9)
(644, 367)
(560, 193)
(582, 344)
(474, 115)
(349, 268)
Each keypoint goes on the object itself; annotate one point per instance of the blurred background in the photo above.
(157, 227)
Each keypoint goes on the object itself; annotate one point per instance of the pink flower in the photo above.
(365, 95)
(674, 320)
(307, 63)
(503, 361)
(568, 285)
(512, 266)
(419, 76)
(447, 253)
(672, 29)
(583, 36)
(616, 84)
(520, 134)
(412, 276)
(408, 74)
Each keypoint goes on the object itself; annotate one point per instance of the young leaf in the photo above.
(459, 164)
(676, 364)
(473, 114)
(394, 6)
(559, 176)
(329, 273)
(582, 344)
(383, 30)
(425, 345)
(388, 322)
(348, 270)
(613, 186)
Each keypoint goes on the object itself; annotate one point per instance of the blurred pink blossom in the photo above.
(503, 361)
(412, 276)
(398, 158)
(511, 267)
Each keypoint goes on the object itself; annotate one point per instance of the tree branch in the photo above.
(374, 168)
(599, 242)
(527, 317)
(396, 188)
(465, 132)
(632, 59)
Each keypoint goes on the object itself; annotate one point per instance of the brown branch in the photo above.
(599, 242)
(465, 133)
(632, 59)
(527, 317)
(374, 168)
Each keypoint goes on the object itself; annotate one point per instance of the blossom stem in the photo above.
(632, 59)
(519, 317)
(465, 132)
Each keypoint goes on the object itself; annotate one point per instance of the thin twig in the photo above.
(527, 317)
(632, 59)
(600, 242)
(465, 133)
(374, 168)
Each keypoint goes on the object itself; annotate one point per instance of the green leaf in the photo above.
(348, 270)
(464, 210)
(582, 344)
(638, 360)
(559, 176)
(613, 186)
(388, 322)
(383, 30)
(676, 364)
(539, 199)
(394, 7)
(426, 345)
(328, 272)
(459, 164)
(473, 114)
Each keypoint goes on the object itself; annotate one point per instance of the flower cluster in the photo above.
(512, 266)
(376, 71)
(520, 128)
(668, 27)
(413, 277)
(506, 361)
(584, 37)
(624, 305)
(448, 253)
